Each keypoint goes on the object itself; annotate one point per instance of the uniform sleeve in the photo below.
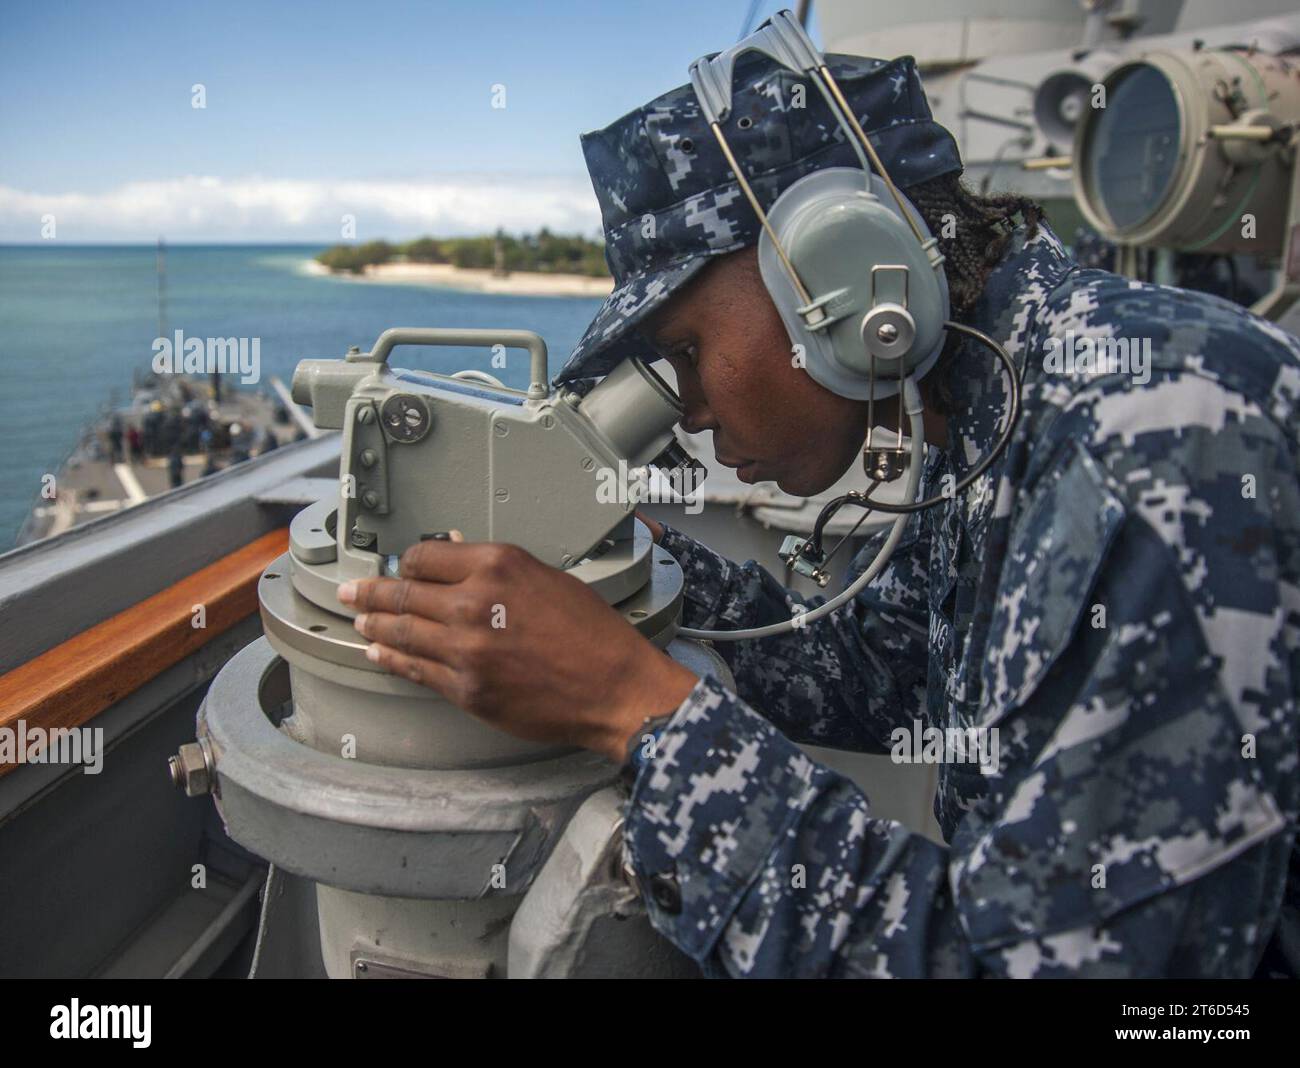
(842, 681)
(1140, 813)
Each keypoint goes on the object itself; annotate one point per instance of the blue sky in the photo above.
(381, 109)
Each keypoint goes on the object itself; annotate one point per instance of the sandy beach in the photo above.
(475, 280)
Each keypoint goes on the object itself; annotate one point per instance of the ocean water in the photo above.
(75, 322)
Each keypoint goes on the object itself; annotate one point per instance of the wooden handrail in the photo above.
(76, 680)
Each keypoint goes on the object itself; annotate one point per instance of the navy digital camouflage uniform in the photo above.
(1119, 596)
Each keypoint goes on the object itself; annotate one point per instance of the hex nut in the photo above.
(190, 769)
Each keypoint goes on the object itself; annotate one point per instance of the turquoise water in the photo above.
(74, 322)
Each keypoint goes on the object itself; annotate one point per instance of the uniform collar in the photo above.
(1007, 311)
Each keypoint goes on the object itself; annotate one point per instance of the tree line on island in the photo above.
(543, 252)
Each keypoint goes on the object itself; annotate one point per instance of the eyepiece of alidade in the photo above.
(676, 458)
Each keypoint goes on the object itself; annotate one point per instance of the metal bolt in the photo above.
(370, 499)
(361, 539)
(548, 421)
(500, 429)
(588, 463)
(888, 333)
(368, 458)
(365, 414)
(882, 465)
(502, 495)
(191, 769)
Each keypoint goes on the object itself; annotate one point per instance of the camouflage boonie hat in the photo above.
(669, 201)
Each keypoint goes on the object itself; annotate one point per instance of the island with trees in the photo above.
(543, 263)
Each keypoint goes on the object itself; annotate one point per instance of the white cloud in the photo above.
(195, 208)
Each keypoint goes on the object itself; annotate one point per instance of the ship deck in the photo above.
(90, 484)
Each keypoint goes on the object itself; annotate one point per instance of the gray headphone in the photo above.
(885, 303)
(858, 280)
(850, 264)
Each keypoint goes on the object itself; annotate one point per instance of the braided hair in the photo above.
(981, 228)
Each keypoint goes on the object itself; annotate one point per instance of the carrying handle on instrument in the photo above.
(436, 336)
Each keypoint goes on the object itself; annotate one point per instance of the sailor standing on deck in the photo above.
(1118, 595)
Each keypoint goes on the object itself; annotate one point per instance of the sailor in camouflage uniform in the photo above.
(1119, 596)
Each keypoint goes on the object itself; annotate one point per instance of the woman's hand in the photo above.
(517, 643)
(656, 528)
